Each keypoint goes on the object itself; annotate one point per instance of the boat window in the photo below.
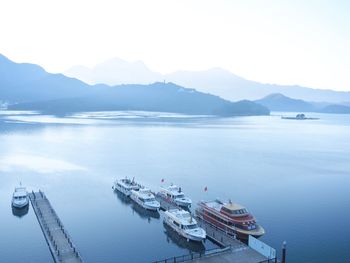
(193, 226)
(150, 199)
(180, 196)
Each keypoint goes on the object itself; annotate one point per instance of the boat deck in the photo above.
(57, 238)
(166, 204)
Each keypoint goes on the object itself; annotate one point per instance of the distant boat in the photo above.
(299, 116)
(232, 218)
(20, 197)
(184, 224)
(125, 186)
(145, 198)
(174, 193)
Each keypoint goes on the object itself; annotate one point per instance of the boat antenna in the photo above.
(179, 189)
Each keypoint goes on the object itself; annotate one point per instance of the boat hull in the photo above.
(20, 205)
(183, 233)
(122, 190)
(144, 205)
(234, 231)
(182, 204)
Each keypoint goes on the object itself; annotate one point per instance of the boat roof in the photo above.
(217, 205)
(174, 189)
(127, 182)
(20, 191)
(233, 206)
(181, 216)
(144, 192)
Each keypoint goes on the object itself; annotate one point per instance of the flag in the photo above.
(205, 189)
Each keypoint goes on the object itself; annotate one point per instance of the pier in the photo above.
(231, 250)
(60, 244)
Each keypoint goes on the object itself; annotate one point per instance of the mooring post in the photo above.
(284, 251)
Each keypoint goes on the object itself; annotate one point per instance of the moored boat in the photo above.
(299, 116)
(184, 224)
(145, 198)
(175, 194)
(20, 197)
(125, 186)
(232, 218)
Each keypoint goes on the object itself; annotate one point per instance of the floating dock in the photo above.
(232, 250)
(239, 252)
(60, 244)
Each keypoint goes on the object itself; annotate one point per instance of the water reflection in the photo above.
(123, 198)
(180, 241)
(20, 212)
(145, 214)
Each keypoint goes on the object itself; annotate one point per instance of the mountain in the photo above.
(21, 82)
(215, 81)
(279, 102)
(30, 87)
(163, 97)
(115, 72)
(232, 87)
(339, 109)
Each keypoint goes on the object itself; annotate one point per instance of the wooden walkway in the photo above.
(61, 247)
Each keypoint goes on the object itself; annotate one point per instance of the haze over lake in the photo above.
(292, 175)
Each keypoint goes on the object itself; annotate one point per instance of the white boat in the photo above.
(145, 198)
(125, 186)
(20, 197)
(184, 224)
(175, 194)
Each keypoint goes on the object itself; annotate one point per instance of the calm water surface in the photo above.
(294, 176)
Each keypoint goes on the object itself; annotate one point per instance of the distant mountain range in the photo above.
(279, 102)
(215, 81)
(30, 87)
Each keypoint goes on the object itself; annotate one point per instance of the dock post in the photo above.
(284, 251)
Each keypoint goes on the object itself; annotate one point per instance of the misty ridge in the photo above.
(216, 81)
(120, 85)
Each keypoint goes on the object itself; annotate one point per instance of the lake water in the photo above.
(294, 176)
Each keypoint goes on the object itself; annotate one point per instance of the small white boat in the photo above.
(145, 198)
(175, 194)
(20, 197)
(125, 186)
(184, 224)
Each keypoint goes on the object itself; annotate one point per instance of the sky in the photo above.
(283, 41)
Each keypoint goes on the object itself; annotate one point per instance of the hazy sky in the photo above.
(286, 42)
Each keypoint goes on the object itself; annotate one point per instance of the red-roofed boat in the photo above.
(232, 218)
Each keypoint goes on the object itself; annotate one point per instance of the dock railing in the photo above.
(59, 241)
(271, 260)
(194, 255)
